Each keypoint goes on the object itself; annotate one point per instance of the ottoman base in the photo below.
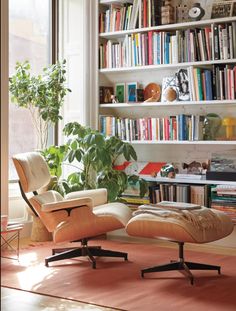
(181, 265)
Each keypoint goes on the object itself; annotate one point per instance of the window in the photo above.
(29, 39)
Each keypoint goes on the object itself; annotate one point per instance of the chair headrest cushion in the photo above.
(32, 170)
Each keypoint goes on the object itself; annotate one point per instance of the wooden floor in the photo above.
(13, 299)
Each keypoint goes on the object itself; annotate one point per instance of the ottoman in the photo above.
(180, 223)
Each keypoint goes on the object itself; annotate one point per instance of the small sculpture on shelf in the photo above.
(196, 168)
(114, 99)
(182, 13)
(168, 170)
(170, 94)
(167, 13)
(152, 92)
(196, 12)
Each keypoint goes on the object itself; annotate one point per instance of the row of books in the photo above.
(179, 127)
(153, 47)
(196, 194)
(223, 198)
(218, 83)
(140, 13)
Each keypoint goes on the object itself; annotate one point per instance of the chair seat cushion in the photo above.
(197, 226)
(115, 209)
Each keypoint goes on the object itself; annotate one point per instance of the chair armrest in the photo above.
(99, 196)
(67, 204)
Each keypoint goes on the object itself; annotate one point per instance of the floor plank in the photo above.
(13, 299)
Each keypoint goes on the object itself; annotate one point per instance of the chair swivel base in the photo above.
(181, 265)
(84, 250)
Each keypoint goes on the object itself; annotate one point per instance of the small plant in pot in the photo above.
(42, 95)
(93, 156)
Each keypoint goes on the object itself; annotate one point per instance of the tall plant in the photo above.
(93, 157)
(43, 95)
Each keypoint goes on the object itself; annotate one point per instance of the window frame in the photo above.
(13, 191)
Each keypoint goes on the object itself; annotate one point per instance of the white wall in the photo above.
(78, 18)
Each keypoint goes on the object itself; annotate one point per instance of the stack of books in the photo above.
(223, 198)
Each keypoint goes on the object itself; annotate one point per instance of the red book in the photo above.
(118, 20)
(166, 129)
(174, 128)
(146, 128)
(144, 13)
(208, 46)
(150, 60)
(149, 129)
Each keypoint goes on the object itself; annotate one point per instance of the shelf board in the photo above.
(183, 142)
(168, 104)
(187, 180)
(167, 66)
(108, 2)
(122, 33)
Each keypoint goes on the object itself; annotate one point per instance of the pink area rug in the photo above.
(117, 283)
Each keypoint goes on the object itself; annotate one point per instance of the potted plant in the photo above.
(43, 95)
(93, 157)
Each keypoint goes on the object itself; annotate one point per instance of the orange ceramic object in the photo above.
(152, 92)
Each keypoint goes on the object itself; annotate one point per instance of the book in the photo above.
(105, 93)
(168, 82)
(182, 84)
(120, 92)
(178, 205)
(197, 194)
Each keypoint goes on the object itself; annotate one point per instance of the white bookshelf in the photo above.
(108, 2)
(167, 151)
(168, 66)
(180, 180)
(184, 142)
(144, 105)
(201, 23)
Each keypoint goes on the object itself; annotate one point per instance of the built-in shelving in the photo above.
(108, 2)
(210, 103)
(157, 150)
(122, 33)
(202, 181)
(183, 142)
(168, 66)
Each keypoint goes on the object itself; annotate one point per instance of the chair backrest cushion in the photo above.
(32, 170)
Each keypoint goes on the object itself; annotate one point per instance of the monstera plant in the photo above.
(92, 156)
(43, 95)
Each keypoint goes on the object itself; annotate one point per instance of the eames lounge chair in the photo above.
(180, 223)
(79, 216)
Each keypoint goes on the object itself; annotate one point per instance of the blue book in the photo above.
(180, 117)
(166, 48)
(208, 76)
(158, 41)
(182, 127)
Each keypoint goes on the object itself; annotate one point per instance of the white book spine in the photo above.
(130, 62)
(225, 43)
(231, 52)
(220, 41)
(232, 84)
(154, 130)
